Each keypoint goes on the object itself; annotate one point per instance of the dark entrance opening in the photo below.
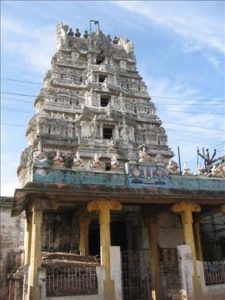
(104, 100)
(107, 133)
(102, 77)
(94, 238)
(108, 166)
(118, 235)
(100, 58)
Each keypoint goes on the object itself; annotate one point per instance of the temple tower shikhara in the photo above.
(95, 105)
(98, 181)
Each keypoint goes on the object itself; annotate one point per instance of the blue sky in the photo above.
(180, 51)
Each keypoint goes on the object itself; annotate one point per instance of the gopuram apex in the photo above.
(109, 215)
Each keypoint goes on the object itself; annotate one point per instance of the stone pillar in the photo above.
(84, 223)
(35, 253)
(27, 239)
(198, 241)
(186, 209)
(104, 207)
(151, 224)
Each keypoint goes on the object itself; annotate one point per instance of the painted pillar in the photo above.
(154, 257)
(104, 207)
(198, 241)
(84, 223)
(186, 209)
(27, 239)
(35, 253)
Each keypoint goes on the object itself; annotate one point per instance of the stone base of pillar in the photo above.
(197, 287)
(109, 290)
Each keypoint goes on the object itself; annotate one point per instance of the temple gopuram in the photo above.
(109, 214)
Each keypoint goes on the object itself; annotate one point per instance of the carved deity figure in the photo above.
(172, 167)
(124, 132)
(132, 156)
(94, 128)
(78, 128)
(61, 35)
(143, 155)
(159, 159)
(110, 144)
(114, 162)
(78, 162)
(96, 161)
(39, 155)
(58, 160)
(218, 170)
(215, 172)
(200, 170)
(186, 170)
(221, 168)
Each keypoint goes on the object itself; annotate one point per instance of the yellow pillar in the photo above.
(186, 209)
(198, 241)
(223, 209)
(35, 253)
(27, 239)
(154, 257)
(104, 207)
(84, 223)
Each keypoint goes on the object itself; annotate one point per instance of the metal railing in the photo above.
(71, 281)
(136, 274)
(214, 272)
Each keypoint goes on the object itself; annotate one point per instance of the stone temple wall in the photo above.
(11, 236)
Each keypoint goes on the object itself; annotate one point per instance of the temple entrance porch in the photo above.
(83, 223)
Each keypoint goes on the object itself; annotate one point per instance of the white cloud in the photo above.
(187, 137)
(32, 46)
(198, 29)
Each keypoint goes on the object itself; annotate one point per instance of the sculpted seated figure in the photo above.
(200, 170)
(114, 162)
(96, 161)
(39, 156)
(186, 170)
(58, 160)
(172, 167)
(143, 155)
(78, 162)
(159, 159)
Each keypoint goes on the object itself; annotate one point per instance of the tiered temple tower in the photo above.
(94, 106)
(97, 178)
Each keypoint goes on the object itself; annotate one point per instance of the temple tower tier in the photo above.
(93, 106)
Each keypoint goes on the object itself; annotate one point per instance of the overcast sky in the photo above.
(180, 51)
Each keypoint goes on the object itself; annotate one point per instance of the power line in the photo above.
(170, 138)
(192, 112)
(191, 104)
(173, 123)
(18, 94)
(217, 145)
(156, 96)
(13, 124)
(18, 100)
(22, 81)
(208, 128)
(189, 112)
(14, 110)
(187, 99)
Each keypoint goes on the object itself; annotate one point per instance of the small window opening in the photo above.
(107, 133)
(100, 58)
(104, 100)
(102, 77)
(108, 166)
(55, 100)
